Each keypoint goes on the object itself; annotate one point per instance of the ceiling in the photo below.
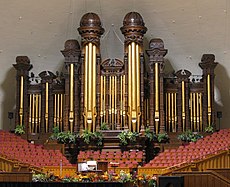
(188, 28)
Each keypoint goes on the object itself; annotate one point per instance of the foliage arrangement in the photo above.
(65, 137)
(189, 136)
(162, 137)
(150, 136)
(89, 136)
(104, 126)
(122, 177)
(19, 130)
(147, 179)
(127, 136)
(209, 129)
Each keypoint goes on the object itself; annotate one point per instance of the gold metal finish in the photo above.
(209, 99)
(200, 101)
(21, 100)
(183, 104)
(36, 114)
(86, 85)
(47, 105)
(30, 114)
(33, 114)
(94, 87)
(138, 86)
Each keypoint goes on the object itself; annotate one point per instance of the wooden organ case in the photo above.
(130, 94)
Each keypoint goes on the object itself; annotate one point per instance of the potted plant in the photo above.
(162, 137)
(97, 135)
(209, 129)
(19, 130)
(104, 126)
(150, 136)
(66, 137)
(86, 136)
(127, 136)
(189, 136)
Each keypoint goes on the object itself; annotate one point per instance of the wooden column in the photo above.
(156, 53)
(72, 60)
(208, 65)
(22, 66)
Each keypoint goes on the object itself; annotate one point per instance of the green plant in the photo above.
(189, 136)
(127, 136)
(66, 137)
(209, 129)
(19, 130)
(98, 136)
(104, 126)
(87, 136)
(162, 137)
(55, 133)
(150, 135)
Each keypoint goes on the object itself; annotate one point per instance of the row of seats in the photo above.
(129, 159)
(209, 145)
(15, 148)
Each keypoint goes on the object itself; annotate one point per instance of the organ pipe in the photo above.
(209, 99)
(47, 104)
(21, 99)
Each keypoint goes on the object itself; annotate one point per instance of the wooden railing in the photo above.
(214, 161)
(205, 178)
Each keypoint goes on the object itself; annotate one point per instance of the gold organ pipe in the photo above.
(30, 117)
(175, 110)
(104, 99)
(115, 99)
(138, 85)
(183, 104)
(101, 104)
(209, 99)
(156, 89)
(112, 102)
(191, 110)
(194, 110)
(33, 112)
(200, 99)
(21, 99)
(110, 98)
(61, 105)
(71, 115)
(55, 110)
(183, 99)
(36, 113)
(90, 78)
(124, 121)
(173, 125)
(133, 78)
(71, 86)
(47, 104)
(130, 83)
(40, 106)
(197, 112)
(58, 110)
(169, 111)
(86, 83)
(94, 87)
(121, 105)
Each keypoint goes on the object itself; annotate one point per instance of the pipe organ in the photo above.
(133, 93)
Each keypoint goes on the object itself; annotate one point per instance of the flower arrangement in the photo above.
(122, 177)
(127, 136)
(147, 180)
